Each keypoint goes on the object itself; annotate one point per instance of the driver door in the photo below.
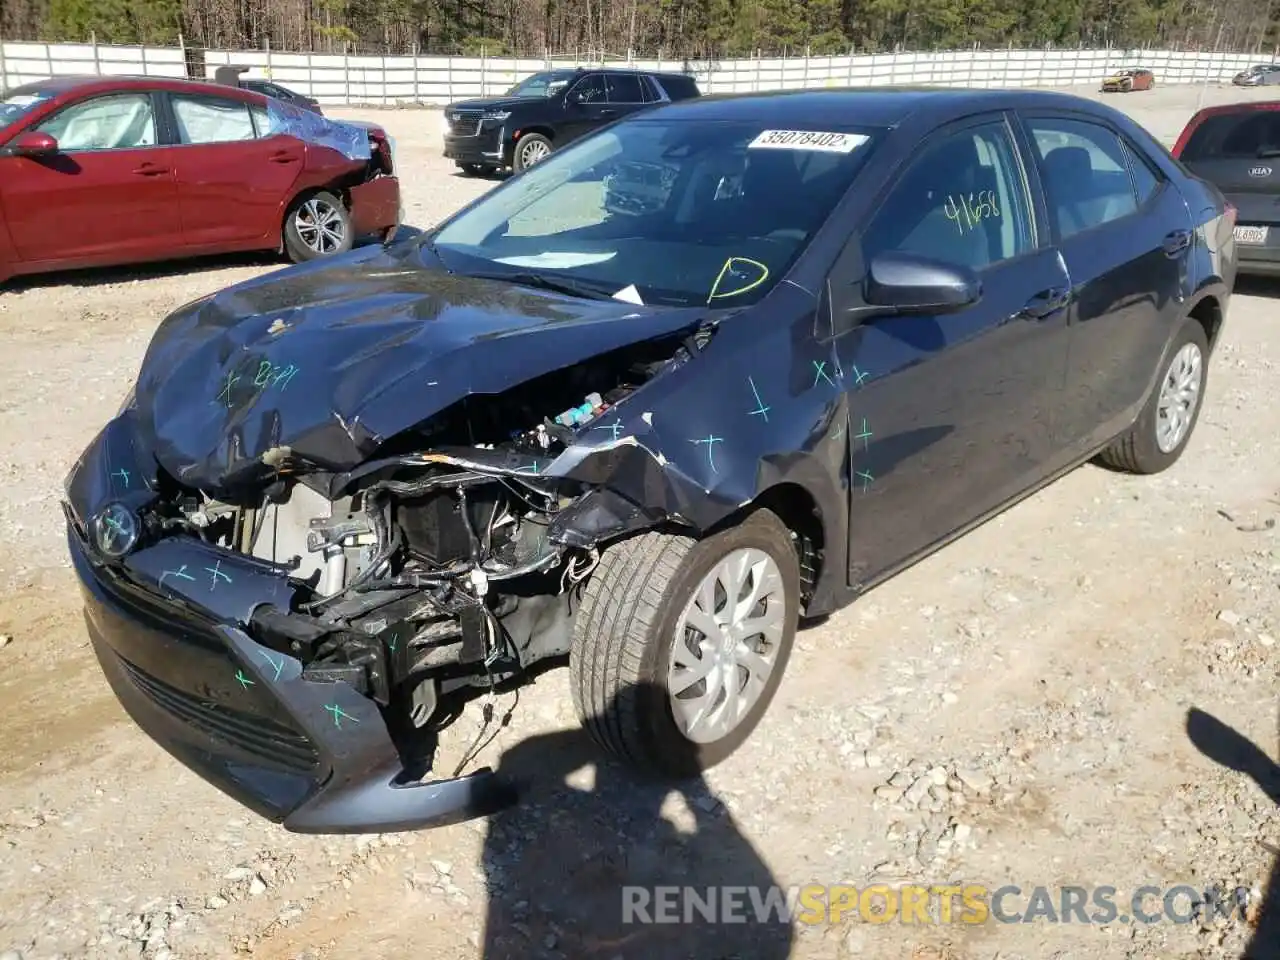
(586, 107)
(950, 415)
(107, 195)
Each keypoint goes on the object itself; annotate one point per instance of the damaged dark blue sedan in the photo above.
(720, 366)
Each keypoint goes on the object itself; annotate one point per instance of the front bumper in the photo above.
(375, 206)
(167, 626)
(486, 146)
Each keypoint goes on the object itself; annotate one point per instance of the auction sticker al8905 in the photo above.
(826, 141)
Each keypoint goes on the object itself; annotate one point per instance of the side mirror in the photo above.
(904, 284)
(34, 144)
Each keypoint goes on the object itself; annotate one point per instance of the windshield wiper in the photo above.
(1266, 153)
(574, 288)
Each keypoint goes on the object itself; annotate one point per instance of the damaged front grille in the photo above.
(266, 740)
(432, 565)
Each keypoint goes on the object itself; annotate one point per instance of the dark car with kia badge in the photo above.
(722, 365)
(1237, 148)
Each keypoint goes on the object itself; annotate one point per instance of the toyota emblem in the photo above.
(1260, 172)
(115, 530)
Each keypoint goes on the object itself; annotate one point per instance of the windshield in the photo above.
(542, 84)
(675, 212)
(20, 101)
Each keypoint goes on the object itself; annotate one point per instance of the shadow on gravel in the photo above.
(1251, 286)
(556, 865)
(1224, 746)
(104, 276)
(193, 266)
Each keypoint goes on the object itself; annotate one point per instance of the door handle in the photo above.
(1176, 242)
(283, 157)
(150, 170)
(606, 112)
(1046, 303)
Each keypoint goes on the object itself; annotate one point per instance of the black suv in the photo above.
(232, 76)
(547, 110)
(269, 89)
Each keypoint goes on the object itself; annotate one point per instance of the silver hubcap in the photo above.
(532, 152)
(1179, 394)
(320, 226)
(726, 645)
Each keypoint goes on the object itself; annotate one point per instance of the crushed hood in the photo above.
(332, 359)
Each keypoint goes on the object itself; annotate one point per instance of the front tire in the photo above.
(530, 149)
(317, 225)
(1160, 434)
(680, 644)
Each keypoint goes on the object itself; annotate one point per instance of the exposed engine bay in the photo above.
(432, 568)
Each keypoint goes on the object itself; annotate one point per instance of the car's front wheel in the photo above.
(680, 644)
(1160, 434)
(530, 149)
(317, 225)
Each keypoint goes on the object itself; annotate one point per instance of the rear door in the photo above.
(1126, 237)
(108, 195)
(626, 93)
(1239, 152)
(232, 179)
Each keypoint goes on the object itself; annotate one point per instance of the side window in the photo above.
(119, 122)
(1145, 180)
(261, 120)
(963, 200)
(1085, 173)
(211, 120)
(625, 88)
(589, 90)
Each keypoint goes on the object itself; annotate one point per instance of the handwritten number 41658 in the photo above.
(967, 212)
(271, 375)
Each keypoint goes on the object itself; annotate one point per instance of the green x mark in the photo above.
(338, 714)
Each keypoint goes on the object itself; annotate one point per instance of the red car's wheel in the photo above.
(317, 225)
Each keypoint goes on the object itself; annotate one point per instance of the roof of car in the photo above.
(91, 83)
(865, 106)
(623, 68)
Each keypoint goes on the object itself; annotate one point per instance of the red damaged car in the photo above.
(96, 171)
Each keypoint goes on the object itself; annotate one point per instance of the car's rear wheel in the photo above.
(317, 225)
(680, 644)
(530, 149)
(1161, 432)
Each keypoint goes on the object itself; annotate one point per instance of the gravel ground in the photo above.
(1012, 710)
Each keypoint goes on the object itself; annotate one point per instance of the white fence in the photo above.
(23, 62)
(376, 80)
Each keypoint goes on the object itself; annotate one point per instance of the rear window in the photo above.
(21, 100)
(1243, 135)
(677, 87)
